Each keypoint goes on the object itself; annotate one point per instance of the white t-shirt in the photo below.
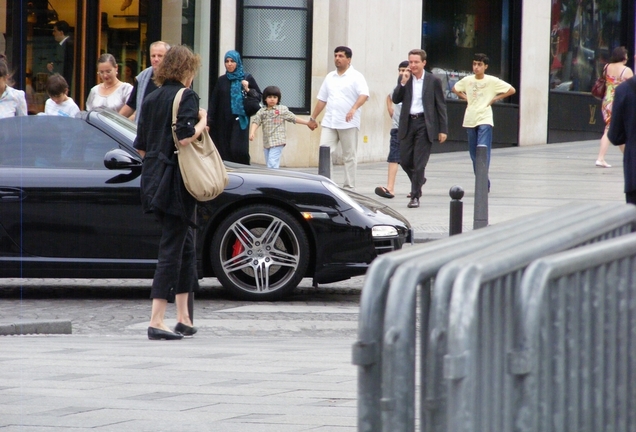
(341, 92)
(12, 103)
(115, 101)
(479, 93)
(68, 108)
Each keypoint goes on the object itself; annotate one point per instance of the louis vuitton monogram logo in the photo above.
(275, 30)
(592, 114)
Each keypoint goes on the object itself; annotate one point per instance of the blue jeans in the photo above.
(272, 156)
(481, 134)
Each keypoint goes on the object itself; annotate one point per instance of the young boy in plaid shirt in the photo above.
(273, 117)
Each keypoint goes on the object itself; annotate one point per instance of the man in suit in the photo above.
(422, 121)
(63, 63)
(622, 130)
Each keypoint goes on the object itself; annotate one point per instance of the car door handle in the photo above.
(13, 194)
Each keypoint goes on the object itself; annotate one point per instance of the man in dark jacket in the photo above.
(622, 130)
(422, 121)
(63, 63)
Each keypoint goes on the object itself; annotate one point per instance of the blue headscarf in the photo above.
(236, 88)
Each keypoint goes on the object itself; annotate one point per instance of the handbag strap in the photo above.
(175, 109)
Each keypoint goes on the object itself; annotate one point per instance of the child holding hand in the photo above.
(273, 117)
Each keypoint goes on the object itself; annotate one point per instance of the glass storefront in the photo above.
(453, 31)
(123, 28)
(582, 37)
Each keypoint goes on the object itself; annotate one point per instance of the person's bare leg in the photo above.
(157, 314)
(605, 143)
(183, 316)
(622, 147)
(393, 169)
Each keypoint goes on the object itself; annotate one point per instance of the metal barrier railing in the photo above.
(481, 329)
(399, 398)
(367, 351)
(577, 330)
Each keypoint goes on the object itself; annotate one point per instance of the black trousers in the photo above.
(415, 150)
(630, 197)
(177, 263)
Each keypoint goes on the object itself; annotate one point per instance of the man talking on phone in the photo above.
(422, 121)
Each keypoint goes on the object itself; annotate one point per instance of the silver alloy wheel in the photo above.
(261, 254)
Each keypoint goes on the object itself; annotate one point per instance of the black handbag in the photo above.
(251, 102)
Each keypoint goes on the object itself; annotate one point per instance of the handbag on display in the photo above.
(600, 86)
(251, 102)
(201, 166)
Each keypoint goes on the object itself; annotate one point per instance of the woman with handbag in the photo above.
(163, 192)
(230, 110)
(615, 72)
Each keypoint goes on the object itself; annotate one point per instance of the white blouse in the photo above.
(115, 101)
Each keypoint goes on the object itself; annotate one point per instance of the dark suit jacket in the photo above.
(622, 128)
(63, 62)
(434, 106)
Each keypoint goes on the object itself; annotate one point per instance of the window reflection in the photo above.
(583, 35)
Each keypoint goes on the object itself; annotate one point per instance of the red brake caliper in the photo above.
(237, 249)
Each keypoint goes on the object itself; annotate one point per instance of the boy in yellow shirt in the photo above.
(480, 91)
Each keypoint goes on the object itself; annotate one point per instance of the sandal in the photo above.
(602, 164)
(383, 192)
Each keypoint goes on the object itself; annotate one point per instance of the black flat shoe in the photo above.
(158, 334)
(185, 330)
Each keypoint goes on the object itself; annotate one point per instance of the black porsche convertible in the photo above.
(70, 208)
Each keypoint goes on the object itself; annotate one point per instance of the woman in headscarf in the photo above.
(228, 122)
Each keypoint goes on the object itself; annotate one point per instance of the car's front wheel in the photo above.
(260, 252)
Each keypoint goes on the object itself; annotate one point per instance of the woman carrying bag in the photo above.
(615, 72)
(163, 192)
(228, 118)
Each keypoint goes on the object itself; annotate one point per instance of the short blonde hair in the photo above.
(179, 64)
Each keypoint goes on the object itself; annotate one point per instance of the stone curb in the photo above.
(36, 327)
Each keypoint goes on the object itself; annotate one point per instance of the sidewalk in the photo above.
(524, 180)
(276, 367)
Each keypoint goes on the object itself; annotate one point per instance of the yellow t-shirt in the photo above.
(479, 93)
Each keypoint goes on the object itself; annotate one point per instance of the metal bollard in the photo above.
(480, 218)
(456, 210)
(324, 161)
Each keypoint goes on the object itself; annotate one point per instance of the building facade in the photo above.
(550, 50)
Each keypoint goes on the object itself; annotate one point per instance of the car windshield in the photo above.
(119, 122)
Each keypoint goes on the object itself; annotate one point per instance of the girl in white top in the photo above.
(12, 101)
(111, 93)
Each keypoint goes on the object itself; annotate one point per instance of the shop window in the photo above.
(582, 37)
(454, 30)
(274, 39)
(48, 49)
(124, 29)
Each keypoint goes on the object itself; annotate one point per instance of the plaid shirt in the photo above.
(273, 122)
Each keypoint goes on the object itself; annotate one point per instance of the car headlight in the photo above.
(384, 231)
(334, 189)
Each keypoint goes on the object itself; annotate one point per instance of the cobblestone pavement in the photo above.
(121, 306)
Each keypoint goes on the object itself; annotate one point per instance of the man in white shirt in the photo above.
(343, 92)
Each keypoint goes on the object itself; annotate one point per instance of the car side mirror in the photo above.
(118, 159)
